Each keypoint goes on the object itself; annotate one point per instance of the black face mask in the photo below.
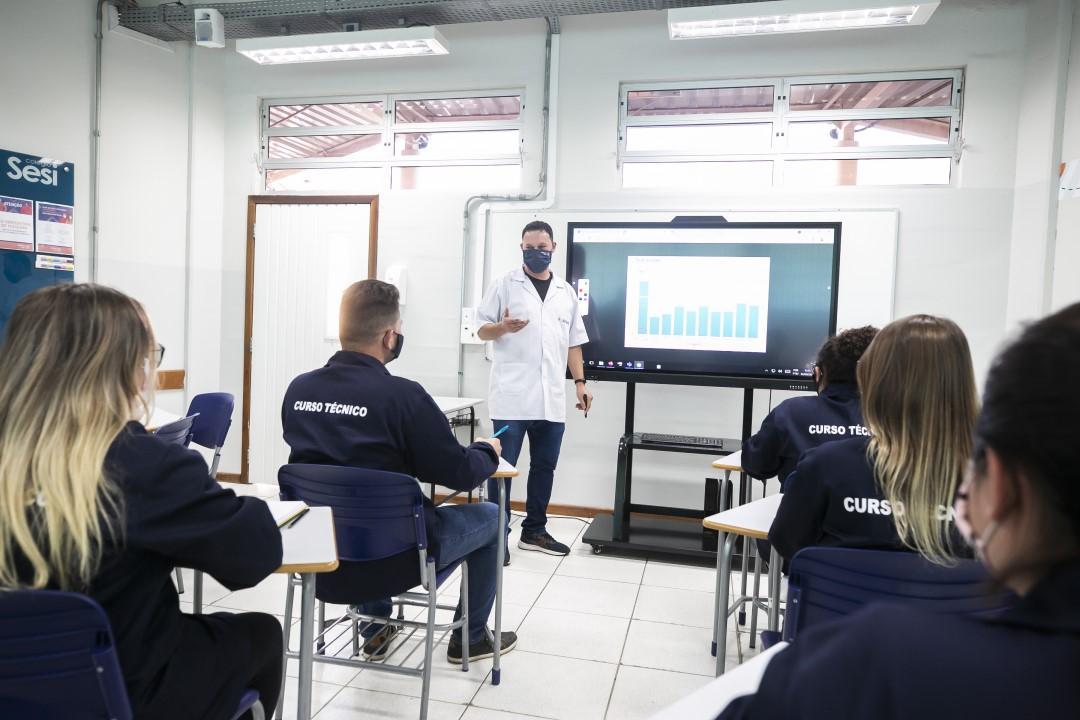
(395, 352)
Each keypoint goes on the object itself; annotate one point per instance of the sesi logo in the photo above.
(32, 173)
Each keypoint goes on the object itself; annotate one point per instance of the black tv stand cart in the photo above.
(658, 529)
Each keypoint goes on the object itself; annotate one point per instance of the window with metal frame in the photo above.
(470, 141)
(815, 131)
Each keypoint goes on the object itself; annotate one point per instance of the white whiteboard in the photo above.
(867, 250)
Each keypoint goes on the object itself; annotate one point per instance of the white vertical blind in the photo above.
(305, 255)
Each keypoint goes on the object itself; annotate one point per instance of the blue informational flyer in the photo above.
(37, 226)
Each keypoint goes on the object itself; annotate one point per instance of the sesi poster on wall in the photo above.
(37, 226)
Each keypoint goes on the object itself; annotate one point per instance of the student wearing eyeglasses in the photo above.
(122, 508)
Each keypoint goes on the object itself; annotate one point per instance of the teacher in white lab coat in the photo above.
(532, 316)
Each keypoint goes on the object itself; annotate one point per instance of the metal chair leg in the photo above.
(179, 581)
(464, 616)
(429, 642)
(320, 644)
(355, 638)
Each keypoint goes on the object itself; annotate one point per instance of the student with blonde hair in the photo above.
(892, 488)
(92, 503)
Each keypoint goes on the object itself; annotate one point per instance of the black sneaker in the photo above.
(478, 650)
(378, 645)
(542, 543)
(506, 557)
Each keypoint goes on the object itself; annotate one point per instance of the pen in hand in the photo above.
(500, 431)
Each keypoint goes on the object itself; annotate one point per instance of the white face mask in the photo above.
(963, 524)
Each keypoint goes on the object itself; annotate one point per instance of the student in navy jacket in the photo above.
(893, 488)
(353, 412)
(1020, 507)
(124, 508)
(801, 423)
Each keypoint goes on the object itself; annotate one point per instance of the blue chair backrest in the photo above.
(57, 658)
(828, 582)
(177, 432)
(213, 413)
(377, 514)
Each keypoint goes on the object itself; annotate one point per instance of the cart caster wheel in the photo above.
(597, 549)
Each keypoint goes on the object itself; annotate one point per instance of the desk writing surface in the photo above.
(731, 462)
(309, 545)
(161, 417)
(710, 701)
(505, 470)
(454, 404)
(752, 519)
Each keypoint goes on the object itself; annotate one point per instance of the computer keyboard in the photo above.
(682, 440)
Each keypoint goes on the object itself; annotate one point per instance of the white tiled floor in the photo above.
(600, 637)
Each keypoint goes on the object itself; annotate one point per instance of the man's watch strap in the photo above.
(576, 382)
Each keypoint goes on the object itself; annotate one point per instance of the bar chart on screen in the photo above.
(718, 304)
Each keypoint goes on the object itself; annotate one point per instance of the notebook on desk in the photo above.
(285, 511)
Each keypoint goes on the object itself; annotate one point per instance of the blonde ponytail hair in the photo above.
(920, 403)
(70, 380)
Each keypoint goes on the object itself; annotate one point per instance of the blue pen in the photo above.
(503, 429)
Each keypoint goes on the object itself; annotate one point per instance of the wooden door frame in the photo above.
(249, 283)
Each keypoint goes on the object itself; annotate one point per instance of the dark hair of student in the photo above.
(540, 225)
(1029, 418)
(368, 309)
(840, 353)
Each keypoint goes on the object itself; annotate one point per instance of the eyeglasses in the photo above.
(159, 354)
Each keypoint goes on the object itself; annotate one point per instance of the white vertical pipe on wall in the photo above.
(479, 253)
(188, 258)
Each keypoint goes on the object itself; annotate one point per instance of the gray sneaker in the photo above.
(542, 542)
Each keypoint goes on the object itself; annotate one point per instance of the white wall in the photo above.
(1067, 254)
(1039, 133)
(47, 52)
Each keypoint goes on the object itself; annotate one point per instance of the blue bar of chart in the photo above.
(643, 308)
(698, 303)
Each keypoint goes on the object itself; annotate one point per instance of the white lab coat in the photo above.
(528, 377)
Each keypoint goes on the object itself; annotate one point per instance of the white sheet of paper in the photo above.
(282, 510)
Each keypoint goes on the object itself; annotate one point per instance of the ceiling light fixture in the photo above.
(362, 45)
(792, 16)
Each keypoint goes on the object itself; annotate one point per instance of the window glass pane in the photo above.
(699, 139)
(875, 171)
(326, 115)
(864, 95)
(868, 133)
(357, 181)
(478, 144)
(458, 178)
(699, 101)
(464, 109)
(701, 176)
(325, 146)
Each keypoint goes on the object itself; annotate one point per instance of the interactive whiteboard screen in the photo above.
(744, 304)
